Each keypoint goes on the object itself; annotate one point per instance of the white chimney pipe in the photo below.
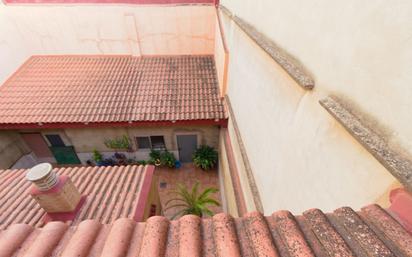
(43, 176)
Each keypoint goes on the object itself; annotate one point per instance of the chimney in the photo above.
(55, 194)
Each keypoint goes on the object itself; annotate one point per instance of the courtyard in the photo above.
(187, 175)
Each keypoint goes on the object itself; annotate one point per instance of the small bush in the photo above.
(164, 158)
(155, 157)
(142, 162)
(205, 157)
(167, 159)
(97, 156)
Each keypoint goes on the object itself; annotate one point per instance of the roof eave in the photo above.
(63, 125)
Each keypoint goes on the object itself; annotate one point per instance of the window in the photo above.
(55, 140)
(158, 142)
(152, 142)
(143, 143)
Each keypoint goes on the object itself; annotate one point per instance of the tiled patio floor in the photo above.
(187, 175)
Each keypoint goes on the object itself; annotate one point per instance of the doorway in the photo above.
(37, 144)
(187, 145)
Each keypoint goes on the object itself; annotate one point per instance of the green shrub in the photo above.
(154, 157)
(164, 158)
(97, 156)
(167, 159)
(205, 157)
(142, 162)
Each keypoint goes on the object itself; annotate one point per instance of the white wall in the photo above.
(102, 29)
(359, 50)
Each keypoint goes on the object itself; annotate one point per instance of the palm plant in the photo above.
(192, 202)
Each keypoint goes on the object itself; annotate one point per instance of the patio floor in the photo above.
(188, 174)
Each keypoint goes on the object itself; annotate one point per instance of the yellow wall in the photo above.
(227, 189)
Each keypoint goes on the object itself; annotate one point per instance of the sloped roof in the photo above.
(371, 232)
(95, 89)
(112, 193)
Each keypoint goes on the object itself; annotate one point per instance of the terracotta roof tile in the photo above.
(112, 193)
(282, 234)
(86, 89)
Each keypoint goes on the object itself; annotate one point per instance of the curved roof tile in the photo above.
(83, 89)
(370, 232)
(112, 193)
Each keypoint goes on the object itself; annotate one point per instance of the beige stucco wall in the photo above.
(88, 139)
(102, 29)
(12, 148)
(85, 140)
(301, 157)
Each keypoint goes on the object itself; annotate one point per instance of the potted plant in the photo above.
(97, 158)
(155, 158)
(205, 157)
(167, 159)
(192, 202)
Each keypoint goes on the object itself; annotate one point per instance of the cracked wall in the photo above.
(103, 29)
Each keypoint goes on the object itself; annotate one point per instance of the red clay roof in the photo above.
(343, 233)
(96, 89)
(112, 193)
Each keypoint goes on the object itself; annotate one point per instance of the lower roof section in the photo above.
(111, 193)
(85, 89)
(370, 232)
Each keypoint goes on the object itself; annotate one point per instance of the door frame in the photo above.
(187, 133)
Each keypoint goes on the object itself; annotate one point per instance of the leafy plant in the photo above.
(142, 162)
(97, 156)
(120, 143)
(154, 157)
(167, 159)
(163, 158)
(192, 202)
(205, 157)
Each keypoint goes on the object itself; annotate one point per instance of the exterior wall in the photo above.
(103, 29)
(227, 187)
(85, 140)
(221, 56)
(12, 148)
(153, 199)
(301, 157)
(27, 161)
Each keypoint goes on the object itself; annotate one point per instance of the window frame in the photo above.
(158, 148)
(138, 145)
(150, 138)
(50, 141)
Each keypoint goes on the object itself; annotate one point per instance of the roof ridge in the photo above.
(344, 232)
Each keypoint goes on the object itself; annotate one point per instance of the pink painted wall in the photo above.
(27, 30)
(111, 1)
